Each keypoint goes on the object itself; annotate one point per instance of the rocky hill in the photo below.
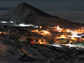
(29, 14)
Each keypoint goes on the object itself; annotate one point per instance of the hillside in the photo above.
(29, 14)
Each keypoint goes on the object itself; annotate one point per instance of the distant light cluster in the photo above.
(7, 22)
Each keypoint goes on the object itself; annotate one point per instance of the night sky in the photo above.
(72, 10)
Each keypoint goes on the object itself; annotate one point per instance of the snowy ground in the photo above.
(39, 54)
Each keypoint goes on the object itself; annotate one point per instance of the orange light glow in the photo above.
(5, 32)
(68, 30)
(37, 30)
(62, 36)
(0, 32)
(72, 38)
(40, 27)
(71, 34)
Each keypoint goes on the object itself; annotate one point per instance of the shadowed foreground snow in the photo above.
(11, 53)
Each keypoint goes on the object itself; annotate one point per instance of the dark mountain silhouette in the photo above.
(29, 14)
